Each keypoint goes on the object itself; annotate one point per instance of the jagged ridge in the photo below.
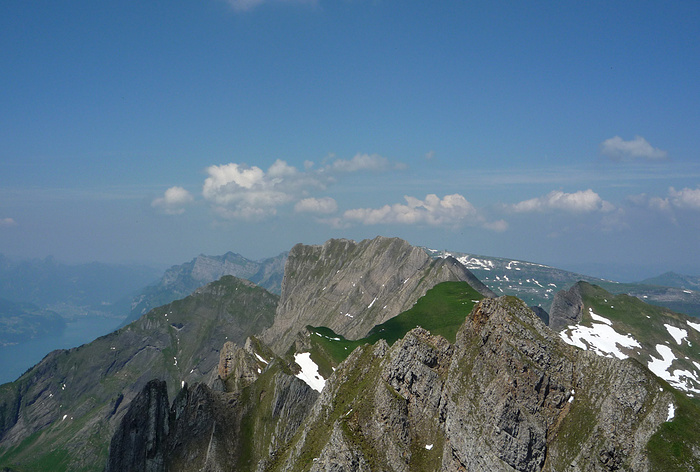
(350, 287)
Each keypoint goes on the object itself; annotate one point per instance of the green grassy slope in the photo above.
(442, 310)
(70, 403)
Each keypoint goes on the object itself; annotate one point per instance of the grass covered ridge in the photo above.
(442, 310)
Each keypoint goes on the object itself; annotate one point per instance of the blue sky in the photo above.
(555, 132)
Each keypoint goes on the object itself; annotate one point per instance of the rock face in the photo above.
(214, 431)
(351, 287)
(138, 444)
(508, 395)
(567, 308)
(76, 398)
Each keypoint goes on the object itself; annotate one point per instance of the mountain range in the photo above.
(375, 355)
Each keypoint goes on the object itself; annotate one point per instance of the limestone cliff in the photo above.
(211, 430)
(508, 395)
(351, 287)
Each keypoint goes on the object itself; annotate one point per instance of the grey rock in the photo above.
(139, 442)
(351, 287)
(508, 395)
(566, 308)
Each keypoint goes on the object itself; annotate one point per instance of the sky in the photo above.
(563, 133)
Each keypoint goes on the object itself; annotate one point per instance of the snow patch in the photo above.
(322, 336)
(428, 446)
(677, 333)
(599, 318)
(671, 412)
(260, 358)
(472, 263)
(695, 326)
(600, 338)
(370, 305)
(678, 378)
(309, 371)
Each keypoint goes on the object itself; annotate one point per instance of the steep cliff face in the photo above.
(351, 287)
(140, 442)
(508, 395)
(567, 308)
(211, 430)
(76, 398)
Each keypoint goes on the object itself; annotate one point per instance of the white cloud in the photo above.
(174, 200)
(685, 198)
(637, 148)
(430, 155)
(239, 191)
(325, 205)
(7, 222)
(452, 210)
(498, 226)
(360, 162)
(583, 201)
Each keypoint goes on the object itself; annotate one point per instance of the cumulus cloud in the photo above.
(583, 201)
(248, 192)
(173, 202)
(7, 222)
(686, 198)
(239, 191)
(636, 149)
(451, 210)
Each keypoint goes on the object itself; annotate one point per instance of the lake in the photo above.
(15, 360)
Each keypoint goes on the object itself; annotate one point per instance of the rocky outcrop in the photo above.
(73, 400)
(566, 309)
(139, 442)
(508, 395)
(351, 287)
(212, 431)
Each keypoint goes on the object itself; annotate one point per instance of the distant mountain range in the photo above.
(93, 289)
(181, 280)
(536, 284)
(671, 279)
(374, 357)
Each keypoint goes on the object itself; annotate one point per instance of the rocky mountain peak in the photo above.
(350, 287)
(567, 308)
